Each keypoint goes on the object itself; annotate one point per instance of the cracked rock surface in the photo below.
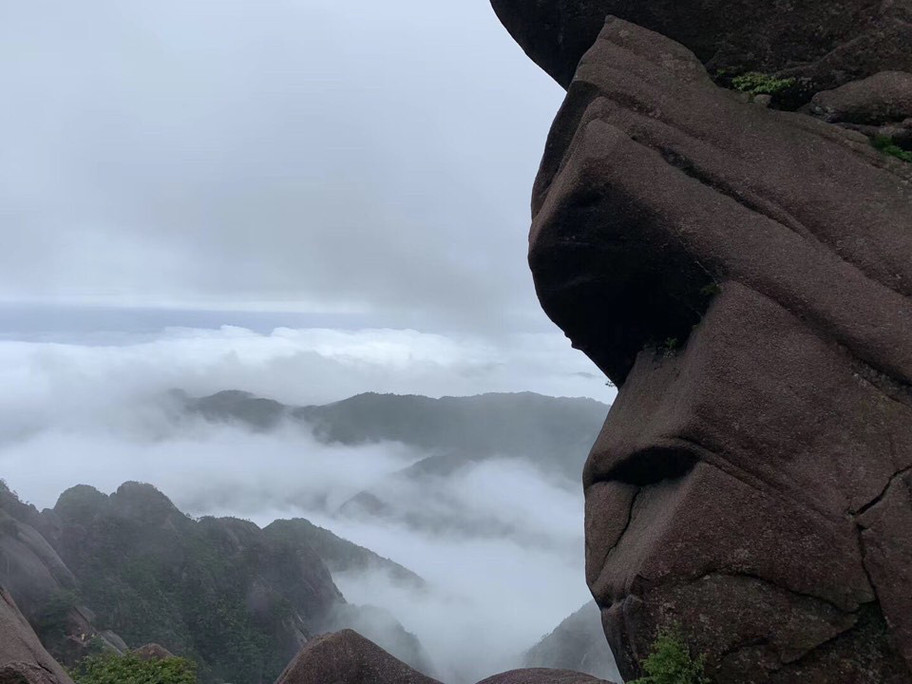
(744, 276)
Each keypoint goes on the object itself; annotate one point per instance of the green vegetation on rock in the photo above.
(51, 619)
(886, 145)
(112, 668)
(670, 662)
(756, 83)
(215, 590)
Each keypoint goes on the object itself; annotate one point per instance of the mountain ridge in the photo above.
(237, 599)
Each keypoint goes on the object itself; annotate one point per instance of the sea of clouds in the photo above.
(98, 412)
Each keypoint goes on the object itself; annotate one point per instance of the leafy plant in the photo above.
(51, 618)
(669, 347)
(885, 144)
(756, 83)
(112, 668)
(711, 290)
(670, 662)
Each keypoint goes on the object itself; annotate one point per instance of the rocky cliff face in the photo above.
(128, 569)
(214, 590)
(825, 44)
(23, 659)
(744, 276)
(44, 587)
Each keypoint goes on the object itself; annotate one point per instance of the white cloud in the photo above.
(312, 157)
(491, 595)
(324, 155)
(77, 413)
(81, 385)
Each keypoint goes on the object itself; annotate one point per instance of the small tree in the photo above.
(112, 668)
(670, 662)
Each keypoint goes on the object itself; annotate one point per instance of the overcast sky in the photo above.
(357, 167)
(316, 156)
(305, 199)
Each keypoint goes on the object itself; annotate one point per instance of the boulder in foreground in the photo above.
(346, 657)
(543, 676)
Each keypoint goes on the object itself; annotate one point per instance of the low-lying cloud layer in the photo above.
(81, 386)
(489, 597)
(203, 162)
(100, 415)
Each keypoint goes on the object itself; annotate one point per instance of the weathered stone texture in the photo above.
(878, 99)
(346, 657)
(825, 44)
(744, 276)
(23, 659)
(542, 676)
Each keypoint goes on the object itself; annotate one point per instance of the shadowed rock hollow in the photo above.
(744, 276)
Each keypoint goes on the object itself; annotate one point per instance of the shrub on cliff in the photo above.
(670, 662)
(111, 668)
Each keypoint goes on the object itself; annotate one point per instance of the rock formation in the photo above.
(744, 276)
(43, 586)
(542, 676)
(238, 600)
(347, 657)
(23, 659)
(825, 44)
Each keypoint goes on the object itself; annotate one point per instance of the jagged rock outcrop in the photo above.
(29, 566)
(44, 588)
(213, 590)
(238, 600)
(744, 276)
(23, 659)
(217, 590)
(824, 44)
(346, 657)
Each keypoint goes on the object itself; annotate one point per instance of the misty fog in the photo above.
(102, 415)
(305, 201)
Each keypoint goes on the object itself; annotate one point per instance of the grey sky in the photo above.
(325, 157)
(344, 186)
